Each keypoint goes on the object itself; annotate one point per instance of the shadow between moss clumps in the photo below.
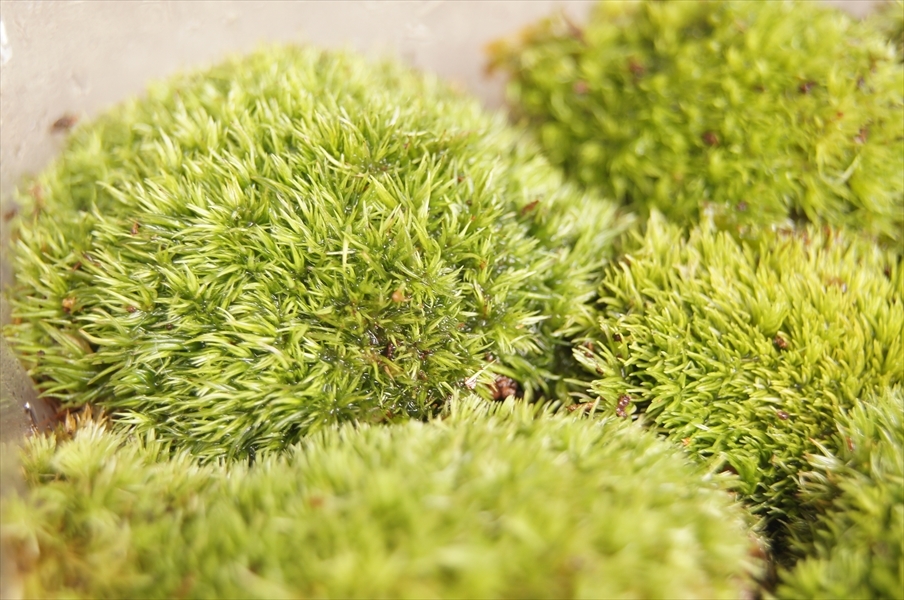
(293, 239)
(492, 500)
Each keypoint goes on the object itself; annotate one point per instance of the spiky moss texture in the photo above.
(890, 19)
(858, 549)
(494, 500)
(749, 352)
(292, 239)
(756, 111)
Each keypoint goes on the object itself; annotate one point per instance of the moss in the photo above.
(858, 547)
(757, 112)
(890, 19)
(494, 500)
(749, 352)
(297, 238)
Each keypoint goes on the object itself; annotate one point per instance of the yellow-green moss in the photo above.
(749, 352)
(297, 238)
(754, 111)
(491, 501)
(856, 550)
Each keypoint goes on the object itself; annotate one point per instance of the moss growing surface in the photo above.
(498, 500)
(755, 111)
(297, 238)
(749, 352)
(858, 547)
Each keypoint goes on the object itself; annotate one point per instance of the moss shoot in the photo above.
(494, 500)
(857, 549)
(748, 353)
(292, 239)
(890, 19)
(755, 111)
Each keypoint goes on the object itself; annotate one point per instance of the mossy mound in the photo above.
(756, 111)
(749, 352)
(292, 239)
(495, 500)
(858, 547)
(890, 19)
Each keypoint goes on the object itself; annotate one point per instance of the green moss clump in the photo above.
(749, 352)
(495, 500)
(858, 548)
(890, 19)
(755, 111)
(292, 239)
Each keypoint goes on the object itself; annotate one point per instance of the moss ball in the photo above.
(749, 352)
(857, 548)
(757, 112)
(495, 500)
(297, 238)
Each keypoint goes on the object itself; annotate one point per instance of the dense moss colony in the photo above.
(857, 549)
(493, 501)
(755, 111)
(293, 239)
(250, 257)
(748, 353)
